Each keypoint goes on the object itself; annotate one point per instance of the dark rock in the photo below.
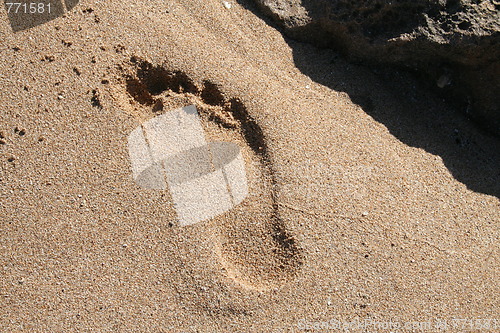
(452, 44)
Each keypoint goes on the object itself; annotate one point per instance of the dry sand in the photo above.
(369, 197)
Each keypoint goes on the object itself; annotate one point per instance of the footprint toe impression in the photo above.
(212, 158)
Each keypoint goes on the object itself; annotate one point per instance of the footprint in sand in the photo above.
(249, 240)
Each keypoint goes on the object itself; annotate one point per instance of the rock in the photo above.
(453, 45)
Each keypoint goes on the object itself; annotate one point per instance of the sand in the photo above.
(369, 197)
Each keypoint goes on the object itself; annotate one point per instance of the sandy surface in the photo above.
(369, 197)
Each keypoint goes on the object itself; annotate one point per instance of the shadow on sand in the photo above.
(413, 114)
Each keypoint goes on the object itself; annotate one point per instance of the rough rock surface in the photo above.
(452, 44)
